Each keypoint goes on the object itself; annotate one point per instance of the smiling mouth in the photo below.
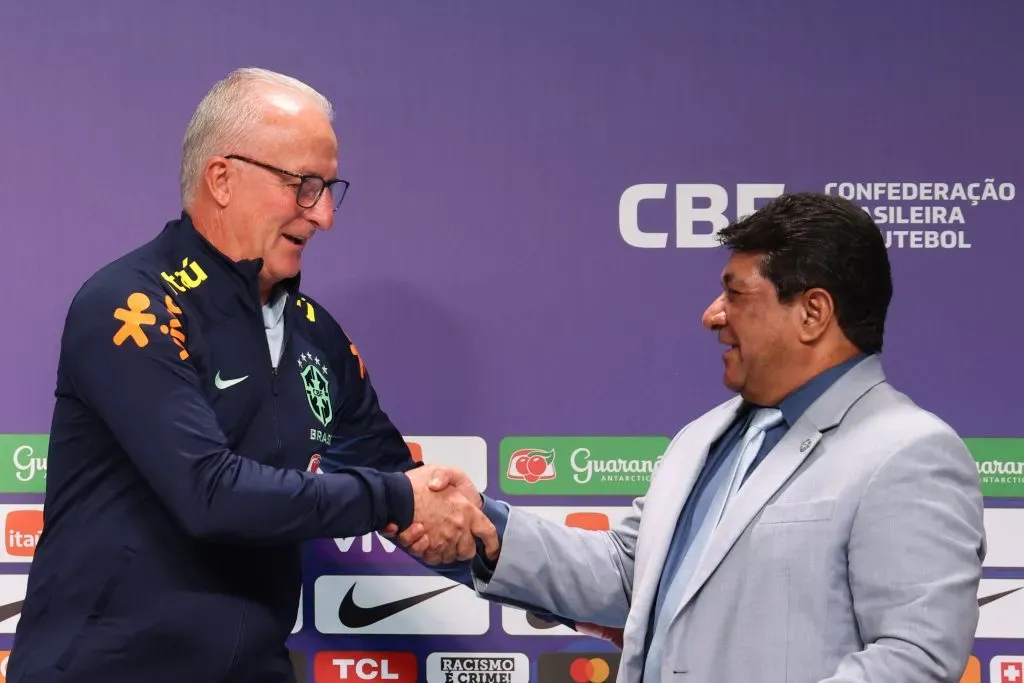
(295, 240)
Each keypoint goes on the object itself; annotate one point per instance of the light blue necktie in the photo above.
(681, 563)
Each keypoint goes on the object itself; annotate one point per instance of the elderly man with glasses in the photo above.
(209, 417)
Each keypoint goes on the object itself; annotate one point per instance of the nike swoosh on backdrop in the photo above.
(10, 610)
(355, 616)
(995, 596)
(225, 383)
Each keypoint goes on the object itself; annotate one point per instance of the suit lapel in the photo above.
(763, 483)
(780, 464)
(663, 504)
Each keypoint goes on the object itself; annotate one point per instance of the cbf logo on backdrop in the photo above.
(911, 215)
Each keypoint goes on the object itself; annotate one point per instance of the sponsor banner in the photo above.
(1001, 603)
(577, 667)
(23, 463)
(1000, 466)
(12, 598)
(579, 465)
(478, 667)
(1002, 530)
(410, 605)
(468, 453)
(372, 548)
(1005, 669)
(22, 526)
(515, 621)
(356, 666)
(911, 214)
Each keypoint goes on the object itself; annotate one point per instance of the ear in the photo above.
(816, 310)
(216, 174)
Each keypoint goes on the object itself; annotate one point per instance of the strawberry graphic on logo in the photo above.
(532, 465)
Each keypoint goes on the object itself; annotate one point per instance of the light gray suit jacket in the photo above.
(852, 554)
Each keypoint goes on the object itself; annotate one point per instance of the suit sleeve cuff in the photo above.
(398, 500)
(482, 567)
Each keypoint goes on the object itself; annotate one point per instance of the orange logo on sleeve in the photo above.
(133, 318)
(355, 352)
(136, 315)
(23, 528)
(174, 328)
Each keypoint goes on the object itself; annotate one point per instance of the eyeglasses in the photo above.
(310, 186)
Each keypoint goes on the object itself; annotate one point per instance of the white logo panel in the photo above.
(1001, 603)
(12, 594)
(409, 605)
(467, 667)
(468, 453)
(1002, 531)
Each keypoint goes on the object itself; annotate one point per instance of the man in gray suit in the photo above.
(818, 527)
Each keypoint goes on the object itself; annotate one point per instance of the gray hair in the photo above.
(226, 116)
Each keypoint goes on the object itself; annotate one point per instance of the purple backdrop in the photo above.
(478, 260)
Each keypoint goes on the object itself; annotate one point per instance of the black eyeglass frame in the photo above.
(304, 179)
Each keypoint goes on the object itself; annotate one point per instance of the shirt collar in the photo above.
(794, 405)
(273, 310)
(240, 278)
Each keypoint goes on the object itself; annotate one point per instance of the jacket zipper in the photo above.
(275, 373)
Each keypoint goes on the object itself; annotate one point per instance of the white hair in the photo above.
(227, 115)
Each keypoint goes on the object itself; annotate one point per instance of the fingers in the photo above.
(440, 480)
(447, 523)
(465, 547)
(482, 528)
(411, 535)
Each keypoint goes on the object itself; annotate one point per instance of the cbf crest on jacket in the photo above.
(179, 480)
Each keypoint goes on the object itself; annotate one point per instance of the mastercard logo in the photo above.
(577, 667)
(593, 670)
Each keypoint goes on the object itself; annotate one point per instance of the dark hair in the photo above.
(817, 240)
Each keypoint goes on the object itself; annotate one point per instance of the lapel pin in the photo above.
(805, 445)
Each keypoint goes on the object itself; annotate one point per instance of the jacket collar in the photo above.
(197, 262)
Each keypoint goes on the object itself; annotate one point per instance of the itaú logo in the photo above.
(695, 204)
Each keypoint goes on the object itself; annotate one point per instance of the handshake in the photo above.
(447, 518)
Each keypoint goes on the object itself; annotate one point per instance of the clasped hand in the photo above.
(447, 518)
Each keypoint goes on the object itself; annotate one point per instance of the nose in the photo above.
(322, 213)
(714, 315)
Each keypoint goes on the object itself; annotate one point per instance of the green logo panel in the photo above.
(579, 465)
(1000, 466)
(23, 463)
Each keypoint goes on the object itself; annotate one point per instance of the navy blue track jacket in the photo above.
(178, 486)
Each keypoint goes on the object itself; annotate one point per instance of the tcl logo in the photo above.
(22, 532)
(351, 666)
